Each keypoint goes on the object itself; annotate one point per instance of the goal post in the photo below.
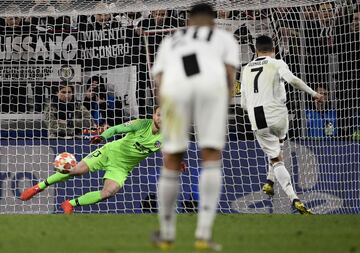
(105, 50)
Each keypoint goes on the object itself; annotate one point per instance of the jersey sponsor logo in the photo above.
(141, 148)
(157, 144)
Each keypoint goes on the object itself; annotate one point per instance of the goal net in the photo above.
(70, 69)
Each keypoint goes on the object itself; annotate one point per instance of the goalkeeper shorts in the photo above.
(99, 160)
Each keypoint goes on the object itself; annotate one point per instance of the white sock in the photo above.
(168, 191)
(209, 189)
(283, 177)
(270, 175)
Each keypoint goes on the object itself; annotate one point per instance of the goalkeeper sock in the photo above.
(209, 188)
(87, 199)
(283, 177)
(167, 195)
(55, 178)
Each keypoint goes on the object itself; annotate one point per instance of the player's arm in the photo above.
(230, 77)
(158, 79)
(159, 65)
(243, 102)
(231, 60)
(127, 127)
(299, 84)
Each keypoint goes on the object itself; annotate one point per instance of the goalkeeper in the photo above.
(118, 158)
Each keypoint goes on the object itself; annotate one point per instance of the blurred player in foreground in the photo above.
(194, 71)
(118, 158)
(263, 95)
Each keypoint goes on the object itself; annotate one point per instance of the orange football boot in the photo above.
(67, 207)
(30, 192)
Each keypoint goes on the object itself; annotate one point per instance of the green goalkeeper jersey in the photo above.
(135, 146)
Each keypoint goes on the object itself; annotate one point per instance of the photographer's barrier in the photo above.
(325, 174)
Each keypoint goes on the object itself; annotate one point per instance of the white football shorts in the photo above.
(269, 138)
(205, 104)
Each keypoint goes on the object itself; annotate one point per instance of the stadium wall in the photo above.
(325, 175)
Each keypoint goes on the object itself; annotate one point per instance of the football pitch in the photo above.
(106, 233)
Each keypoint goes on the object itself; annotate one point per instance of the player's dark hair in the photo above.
(202, 9)
(264, 44)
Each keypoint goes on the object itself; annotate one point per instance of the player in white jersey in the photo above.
(263, 96)
(195, 71)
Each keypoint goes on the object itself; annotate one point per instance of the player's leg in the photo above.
(110, 188)
(96, 160)
(114, 179)
(296, 203)
(210, 120)
(269, 141)
(175, 111)
(284, 179)
(210, 184)
(270, 145)
(57, 177)
(168, 191)
(268, 187)
(279, 130)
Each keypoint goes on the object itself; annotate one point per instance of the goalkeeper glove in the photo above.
(97, 139)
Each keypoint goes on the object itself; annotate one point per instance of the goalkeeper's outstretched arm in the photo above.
(127, 127)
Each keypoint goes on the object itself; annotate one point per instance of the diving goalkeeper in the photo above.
(118, 158)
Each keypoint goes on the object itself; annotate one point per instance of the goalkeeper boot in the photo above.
(158, 242)
(207, 245)
(300, 207)
(67, 207)
(268, 188)
(30, 192)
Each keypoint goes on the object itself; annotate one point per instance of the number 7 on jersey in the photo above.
(256, 85)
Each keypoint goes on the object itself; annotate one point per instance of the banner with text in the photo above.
(33, 57)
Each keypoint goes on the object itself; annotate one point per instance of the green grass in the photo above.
(130, 233)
